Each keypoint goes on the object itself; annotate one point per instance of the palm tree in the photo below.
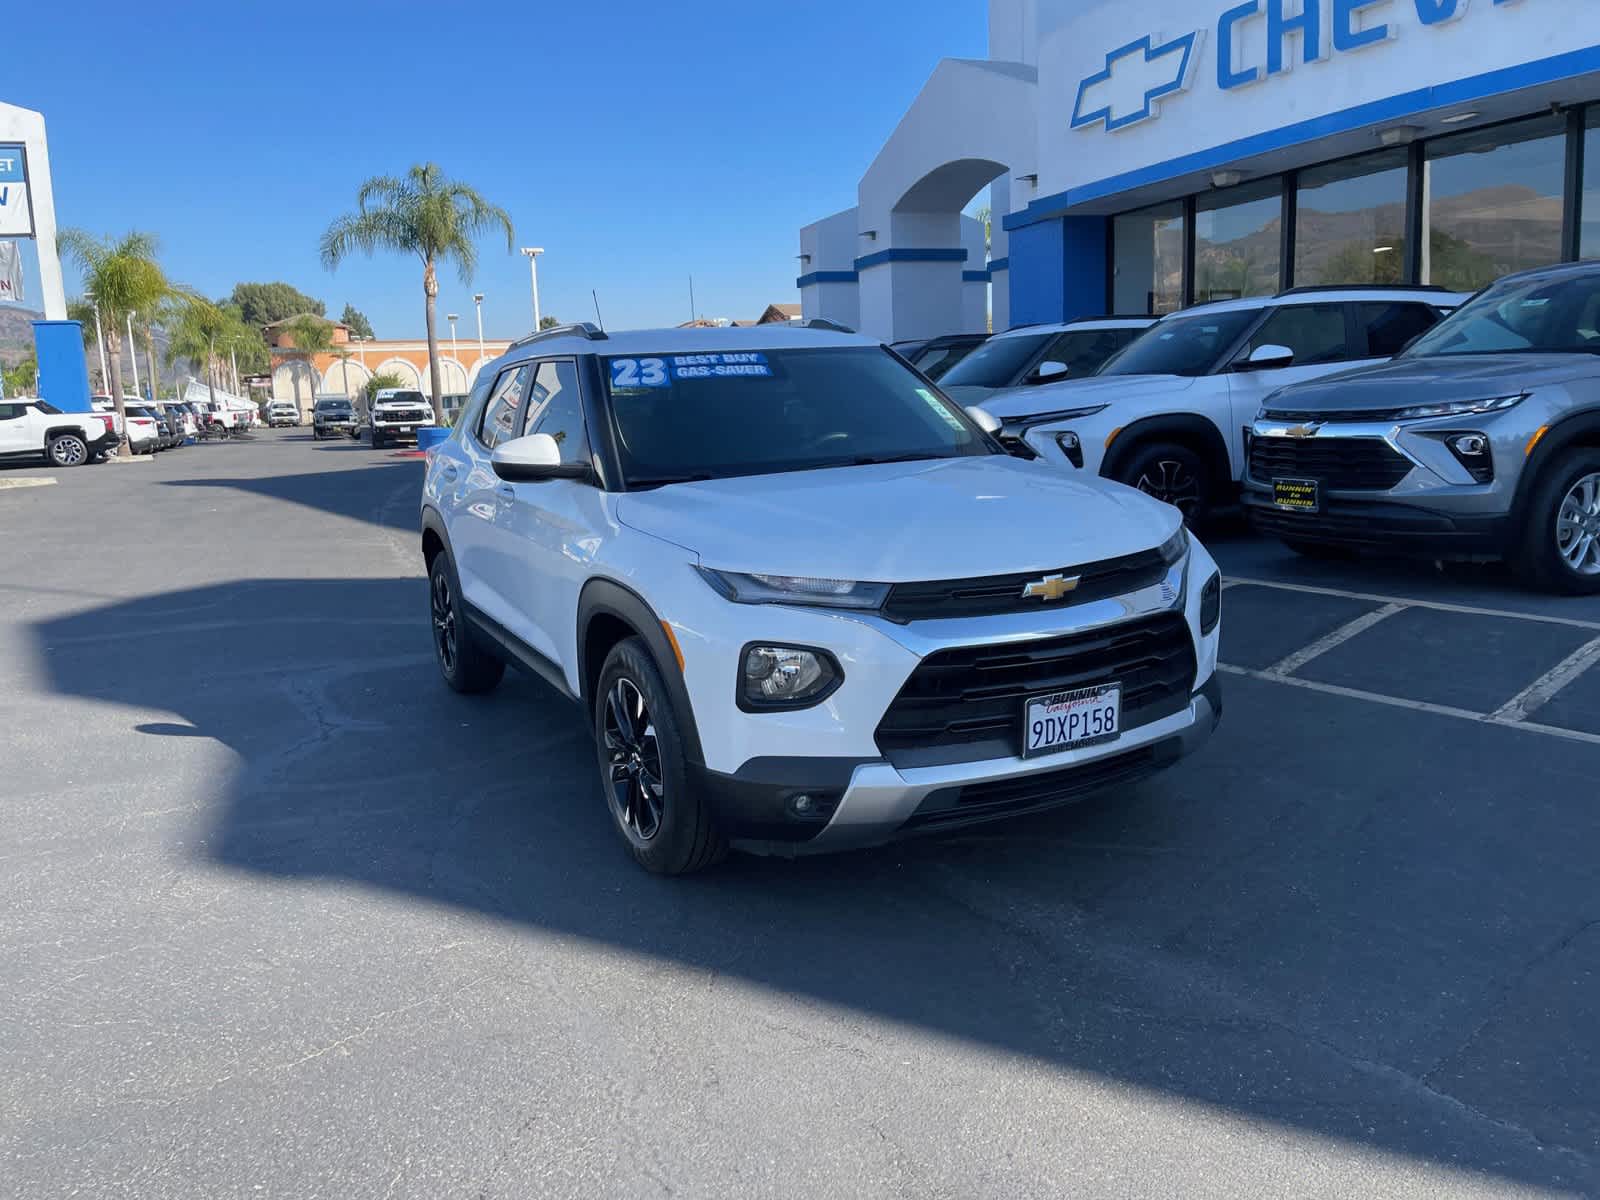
(428, 214)
(124, 278)
(197, 329)
(309, 335)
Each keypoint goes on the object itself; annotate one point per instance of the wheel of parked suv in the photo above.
(1173, 473)
(67, 450)
(666, 823)
(377, 442)
(465, 665)
(1560, 539)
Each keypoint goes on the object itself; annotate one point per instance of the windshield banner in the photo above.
(663, 372)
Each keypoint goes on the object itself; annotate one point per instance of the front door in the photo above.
(481, 501)
(15, 435)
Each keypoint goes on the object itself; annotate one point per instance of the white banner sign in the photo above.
(10, 273)
(16, 217)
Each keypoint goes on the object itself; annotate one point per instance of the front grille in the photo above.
(965, 704)
(993, 594)
(396, 417)
(1043, 789)
(1338, 464)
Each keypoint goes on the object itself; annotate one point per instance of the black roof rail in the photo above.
(1364, 287)
(1115, 317)
(824, 323)
(583, 329)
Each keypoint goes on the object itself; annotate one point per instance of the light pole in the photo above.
(455, 350)
(100, 337)
(533, 253)
(133, 357)
(477, 300)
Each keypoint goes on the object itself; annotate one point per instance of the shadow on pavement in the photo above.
(1377, 932)
(332, 491)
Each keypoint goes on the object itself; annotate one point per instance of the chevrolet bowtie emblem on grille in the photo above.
(1303, 431)
(1051, 587)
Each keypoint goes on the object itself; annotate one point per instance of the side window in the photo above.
(10, 412)
(502, 416)
(558, 409)
(1315, 332)
(1384, 328)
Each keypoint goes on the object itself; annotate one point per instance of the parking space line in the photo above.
(1543, 689)
(1437, 605)
(1441, 710)
(1292, 663)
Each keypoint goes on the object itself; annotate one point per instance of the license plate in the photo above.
(1296, 495)
(1063, 720)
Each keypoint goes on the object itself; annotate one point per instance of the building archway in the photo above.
(403, 368)
(298, 381)
(347, 377)
(477, 366)
(453, 377)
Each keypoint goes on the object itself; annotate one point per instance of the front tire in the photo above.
(665, 822)
(466, 666)
(67, 450)
(1559, 545)
(1174, 474)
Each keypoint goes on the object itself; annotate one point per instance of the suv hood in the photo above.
(1405, 382)
(952, 518)
(1075, 393)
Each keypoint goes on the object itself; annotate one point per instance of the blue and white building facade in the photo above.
(1144, 155)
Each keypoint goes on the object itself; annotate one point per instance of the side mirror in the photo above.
(1049, 371)
(1266, 358)
(533, 459)
(984, 419)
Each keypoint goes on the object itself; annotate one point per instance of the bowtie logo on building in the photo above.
(1136, 78)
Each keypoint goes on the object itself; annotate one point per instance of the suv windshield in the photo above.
(996, 363)
(1189, 345)
(1540, 316)
(703, 416)
(334, 407)
(401, 398)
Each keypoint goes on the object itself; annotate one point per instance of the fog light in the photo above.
(1072, 448)
(1210, 605)
(784, 677)
(812, 806)
(1472, 452)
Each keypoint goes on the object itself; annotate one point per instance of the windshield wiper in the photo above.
(874, 460)
(655, 481)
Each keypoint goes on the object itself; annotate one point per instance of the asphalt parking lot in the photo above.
(279, 915)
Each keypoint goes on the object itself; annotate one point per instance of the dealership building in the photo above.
(1144, 155)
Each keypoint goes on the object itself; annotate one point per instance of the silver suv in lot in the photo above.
(1482, 440)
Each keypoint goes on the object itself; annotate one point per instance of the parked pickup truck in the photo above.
(32, 428)
(397, 414)
(281, 413)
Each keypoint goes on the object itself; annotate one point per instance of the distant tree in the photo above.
(311, 336)
(19, 380)
(196, 328)
(548, 322)
(382, 380)
(425, 213)
(124, 277)
(357, 321)
(263, 303)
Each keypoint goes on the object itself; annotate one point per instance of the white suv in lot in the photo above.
(1167, 414)
(804, 601)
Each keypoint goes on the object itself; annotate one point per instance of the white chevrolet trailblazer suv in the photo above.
(1167, 414)
(804, 600)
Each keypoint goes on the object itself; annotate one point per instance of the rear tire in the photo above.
(1174, 474)
(1558, 546)
(466, 666)
(661, 817)
(67, 450)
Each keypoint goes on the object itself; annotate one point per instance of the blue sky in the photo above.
(635, 142)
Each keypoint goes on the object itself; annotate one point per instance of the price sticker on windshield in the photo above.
(630, 373)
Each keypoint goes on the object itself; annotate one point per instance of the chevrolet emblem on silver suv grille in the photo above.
(1051, 587)
(1309, 429)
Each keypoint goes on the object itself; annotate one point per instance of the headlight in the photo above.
(794, 589)
(1458, 408)
(786, 677)
(1175, 547)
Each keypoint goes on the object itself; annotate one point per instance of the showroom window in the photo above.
(1493, 202)
(1147, 270)
(1350, 221)
(1589, 222)
(1238, 242)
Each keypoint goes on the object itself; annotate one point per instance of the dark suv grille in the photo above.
(1003, 593)
(1339, 464)
(966, 704)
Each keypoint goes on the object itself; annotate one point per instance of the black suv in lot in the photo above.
(335, 418)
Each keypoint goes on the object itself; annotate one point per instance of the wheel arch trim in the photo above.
(1177, 427)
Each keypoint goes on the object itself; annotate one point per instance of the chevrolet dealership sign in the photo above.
(16, 216)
